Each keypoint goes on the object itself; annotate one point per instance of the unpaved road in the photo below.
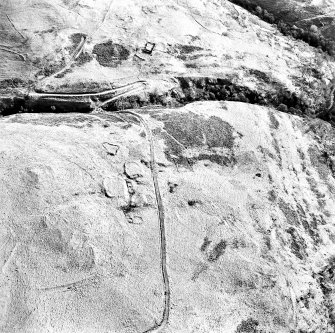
(158, 326)
(161, 217)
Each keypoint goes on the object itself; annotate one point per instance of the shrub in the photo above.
(314, 39)
(292, 110)
(242, 98)
(259, 10)
(282, 107)
(268, 17)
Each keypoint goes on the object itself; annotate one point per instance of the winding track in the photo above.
(123, 91)
(77, 52)
(158, 326)
(111, 94)
(14, 52)
(97, 94)
(331, 98)
(161, 217)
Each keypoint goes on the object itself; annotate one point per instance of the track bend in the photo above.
(122, 90)
(89, 100)
(77, 52)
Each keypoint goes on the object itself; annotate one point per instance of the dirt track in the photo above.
(161, 216)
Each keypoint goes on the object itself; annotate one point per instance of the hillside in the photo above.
(165, 167)
(249, 221)
(85, 47)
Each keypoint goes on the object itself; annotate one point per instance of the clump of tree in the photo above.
(310, 35)
(196, 89)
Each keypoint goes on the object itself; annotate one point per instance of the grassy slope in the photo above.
(223, 44)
